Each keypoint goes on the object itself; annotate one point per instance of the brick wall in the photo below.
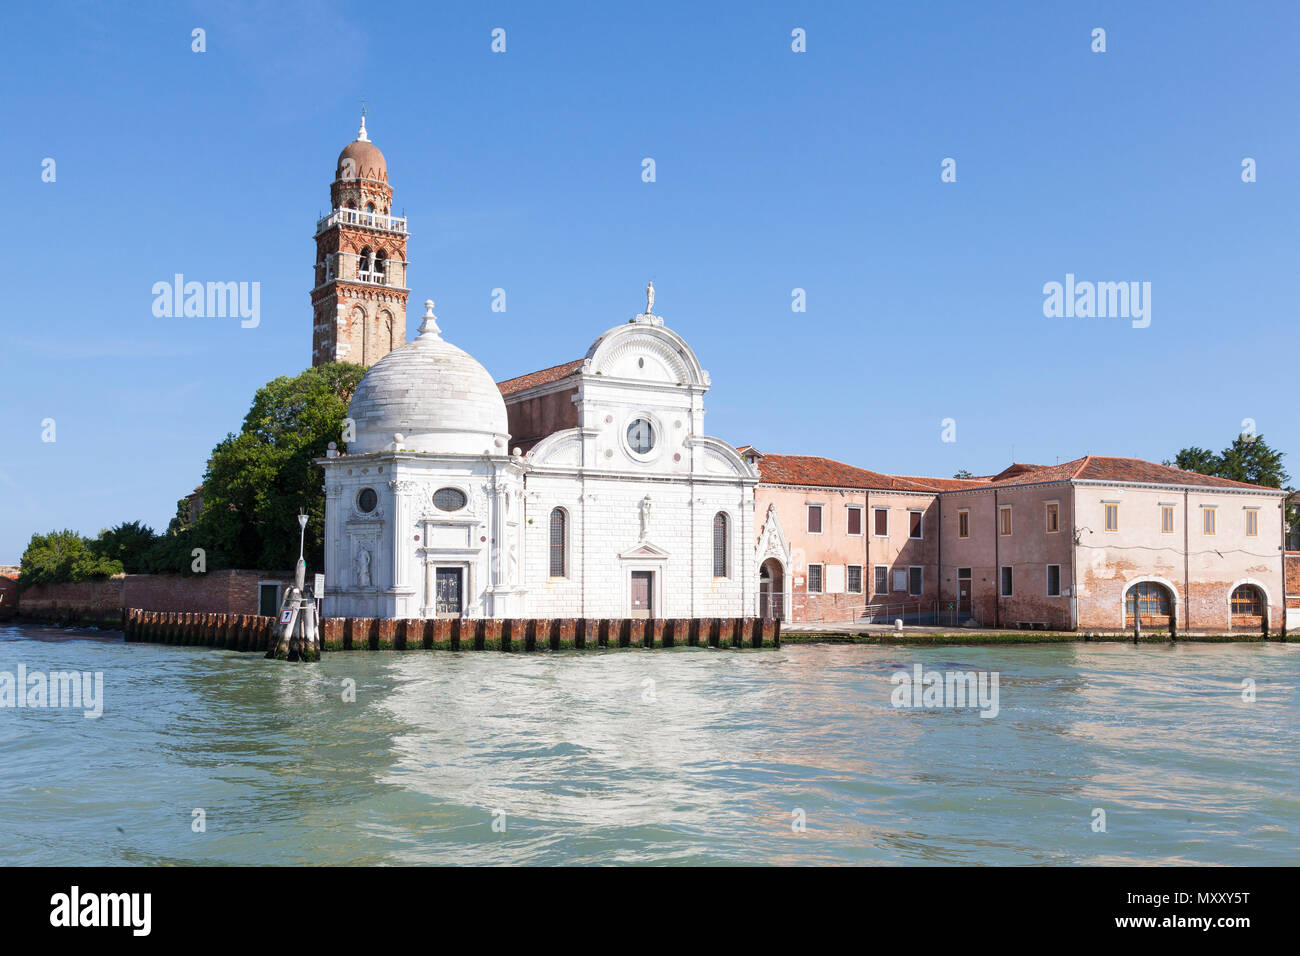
(1292, 567)
(104, 601)
(221, 592)
(8, 595)
(99, 600)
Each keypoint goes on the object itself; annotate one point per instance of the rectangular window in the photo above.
(1053, 517)
(915, 580)
(1004, 520)
(963, 524)
(882, 579)
(1252, 522)
(881, 517)
(915, 525)
(814, 519)
(814, 579)
(1006, 581)
(1166, 519)
(855, 579)
(855, 520)
(1207, 520)
(900, 580)
(1112, 517)
(1053, 580)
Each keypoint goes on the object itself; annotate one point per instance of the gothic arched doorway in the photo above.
(771, 590)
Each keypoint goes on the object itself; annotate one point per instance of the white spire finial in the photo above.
(430, 324)
(362, 136)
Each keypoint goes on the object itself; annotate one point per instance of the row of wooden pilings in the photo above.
(251, 632)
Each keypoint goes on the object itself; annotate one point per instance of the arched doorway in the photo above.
(771, 590)
(1248, 608)
(1153, 601)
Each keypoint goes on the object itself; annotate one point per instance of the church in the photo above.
(589, 490)
(585, 490)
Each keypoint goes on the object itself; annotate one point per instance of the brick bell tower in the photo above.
(358, 299)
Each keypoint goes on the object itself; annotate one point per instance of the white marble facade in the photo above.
(428, 514)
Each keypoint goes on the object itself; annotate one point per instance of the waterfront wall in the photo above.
(97, 601)
(104, 601)
(8, 596)
(251, 632)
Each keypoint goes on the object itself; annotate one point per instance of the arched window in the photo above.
(1247, 599)
(559, 533)
(365, 262)
(1152, 600)
(381, 264)
(720, 545)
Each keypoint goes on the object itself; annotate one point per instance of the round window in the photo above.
(640, 436)
(449, 499)
(367, 500)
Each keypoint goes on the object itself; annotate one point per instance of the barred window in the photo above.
(558, 534)
(1247, 599)
(855, 579)
(449, 499)
(720, 545)
(882, 579)
(814, 579)
(1152, 599)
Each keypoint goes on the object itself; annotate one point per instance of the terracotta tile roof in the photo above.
(1135, 469)
(544, 377)
(947, 484)
(1102, 468)
(827, 473)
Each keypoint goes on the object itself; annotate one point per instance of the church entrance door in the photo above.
(642, 589)
(448, 592)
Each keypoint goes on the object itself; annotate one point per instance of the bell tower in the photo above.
(358, 298)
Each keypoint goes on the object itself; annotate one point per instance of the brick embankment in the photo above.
(249, 632)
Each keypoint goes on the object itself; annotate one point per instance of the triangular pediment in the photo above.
(644, 551)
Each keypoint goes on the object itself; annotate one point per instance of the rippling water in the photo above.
(593, 763)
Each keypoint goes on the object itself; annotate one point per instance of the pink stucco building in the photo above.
(1079, 545)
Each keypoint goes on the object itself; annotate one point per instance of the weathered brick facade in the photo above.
(359, 292)
(105, 600)
(8, 596)
(1058, 547)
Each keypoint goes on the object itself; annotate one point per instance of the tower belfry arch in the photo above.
(359, 291)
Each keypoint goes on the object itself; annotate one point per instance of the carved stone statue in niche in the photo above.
(363, 567)
(645, 517)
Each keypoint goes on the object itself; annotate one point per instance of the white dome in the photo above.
(432, 394)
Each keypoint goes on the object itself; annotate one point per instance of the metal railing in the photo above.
(771, 606)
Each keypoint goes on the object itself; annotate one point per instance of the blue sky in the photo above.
(775, 170)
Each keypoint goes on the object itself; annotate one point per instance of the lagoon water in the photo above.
(662, 757)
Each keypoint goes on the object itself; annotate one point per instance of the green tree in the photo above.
(1248, 459)
(1253, 461)
(171, 552)
(256, 481)
(130, 543)
(1200, 460)
(62, 556)
(964, 473)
